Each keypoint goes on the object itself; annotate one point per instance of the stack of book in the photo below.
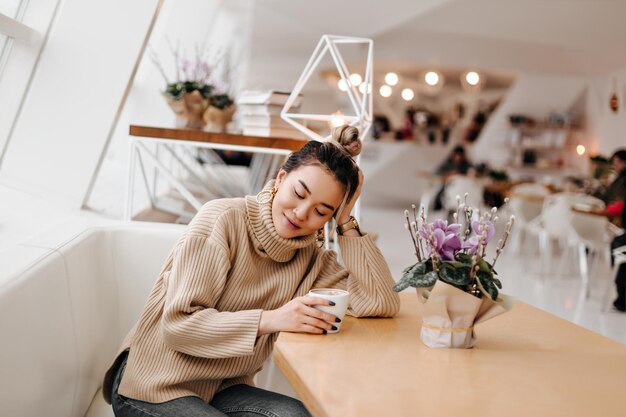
(259, 113)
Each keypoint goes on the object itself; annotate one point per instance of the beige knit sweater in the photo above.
(197, 334)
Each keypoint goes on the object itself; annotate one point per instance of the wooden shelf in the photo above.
(292, 144)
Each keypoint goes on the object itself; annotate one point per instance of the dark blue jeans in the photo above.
(236, 401)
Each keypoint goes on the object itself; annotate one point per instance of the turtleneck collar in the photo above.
(261, 223)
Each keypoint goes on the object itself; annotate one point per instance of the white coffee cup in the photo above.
(339, 297)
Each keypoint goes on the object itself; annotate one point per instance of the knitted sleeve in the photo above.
(190, 322)
(366, 276)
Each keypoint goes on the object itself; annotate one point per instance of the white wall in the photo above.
(534, 95)
(75, 94)
(606, 129)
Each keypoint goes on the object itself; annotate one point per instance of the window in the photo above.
(20, 44)
(3, 40)
(10, 8)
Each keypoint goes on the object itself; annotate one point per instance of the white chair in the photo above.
(458, 185)
(619, 256)
(556, 223)
(530, 189)
(592, 237)
(525, 203)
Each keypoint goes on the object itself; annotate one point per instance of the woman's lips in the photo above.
(291, 224)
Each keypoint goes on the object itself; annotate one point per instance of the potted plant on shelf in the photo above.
(195, 90)
(220, 111)
(456, 286)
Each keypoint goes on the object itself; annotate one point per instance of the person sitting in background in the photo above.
(455, 164)
(617, 189)
(615, 197)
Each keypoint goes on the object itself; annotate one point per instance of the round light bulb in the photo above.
(363, 86)
(337, 121)
(342, 85)
(355, 79)
(472, 78)
(391, 78)
(385, 91)
(408, 94)
(580, 150)
(431, 78)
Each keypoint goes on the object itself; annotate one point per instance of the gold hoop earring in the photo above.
(270, 193)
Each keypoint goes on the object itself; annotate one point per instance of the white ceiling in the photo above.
(573, 37)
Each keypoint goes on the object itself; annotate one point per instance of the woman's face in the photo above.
(306, 198)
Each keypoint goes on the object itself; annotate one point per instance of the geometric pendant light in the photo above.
(360, 100)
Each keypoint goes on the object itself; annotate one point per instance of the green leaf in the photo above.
(426, 280)
(486, 280)
(418, 268)
(466, 258)
(416, 275)
(484, 265)
(401, 285)
(220, 101)
(452, 275)
(497, 282)
(455, 264)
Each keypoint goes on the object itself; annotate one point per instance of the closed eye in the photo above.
(301, 197)
(320, 213)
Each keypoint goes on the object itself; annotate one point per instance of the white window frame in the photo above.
(16, 30)
(26, 37)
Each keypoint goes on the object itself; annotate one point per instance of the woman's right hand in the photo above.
(298, 316)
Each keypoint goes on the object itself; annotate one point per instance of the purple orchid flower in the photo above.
(443, 238)
(483, 233)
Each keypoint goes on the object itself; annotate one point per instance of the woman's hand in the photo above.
(344, 216)
(298, 316)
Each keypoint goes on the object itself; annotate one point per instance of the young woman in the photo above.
(238, 277)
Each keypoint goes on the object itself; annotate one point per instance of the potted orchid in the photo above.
(196, 90)
(456, 284)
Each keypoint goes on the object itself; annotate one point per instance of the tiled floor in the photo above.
(560, 294)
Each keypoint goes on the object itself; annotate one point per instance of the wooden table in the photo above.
(526, 363)
(141, 137)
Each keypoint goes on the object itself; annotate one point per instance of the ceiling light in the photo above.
(408, 94)
(431, 78)
(338, 121)
(355, 79)
(391, 78)
(472, 81)
(342, 84)
(362, 88)
(472, 78)
(580, 150)
(385, 91)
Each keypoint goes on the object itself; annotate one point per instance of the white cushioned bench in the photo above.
(64, 315)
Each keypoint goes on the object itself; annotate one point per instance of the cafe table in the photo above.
(526, 362)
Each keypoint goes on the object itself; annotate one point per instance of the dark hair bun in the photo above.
(348, 137)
